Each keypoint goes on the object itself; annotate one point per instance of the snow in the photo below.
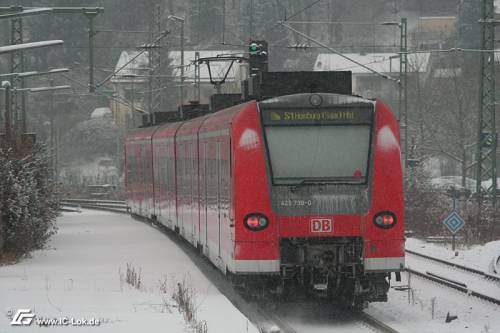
(380, 62)
(387, 140)
(447, 182)
(25, 46)
(249, 139)
(474, 315)
(477, 256)
(79, 276)
(101, 113)
(474, 282)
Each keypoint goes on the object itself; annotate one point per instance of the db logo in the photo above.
(321, 225)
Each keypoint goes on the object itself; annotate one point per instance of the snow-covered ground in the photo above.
(81, 275)
(478, 257)
(474, 315)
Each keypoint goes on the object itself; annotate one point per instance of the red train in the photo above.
(297, 190)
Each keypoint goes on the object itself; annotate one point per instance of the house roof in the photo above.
(136, 67)
(380, 62)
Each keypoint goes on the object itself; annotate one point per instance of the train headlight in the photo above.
(256, 221)
(385, 220)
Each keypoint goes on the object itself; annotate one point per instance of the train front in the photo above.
(322, 200)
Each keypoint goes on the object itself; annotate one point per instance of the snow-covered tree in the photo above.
(28, 200)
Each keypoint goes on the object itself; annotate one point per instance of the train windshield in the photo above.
(318, 154)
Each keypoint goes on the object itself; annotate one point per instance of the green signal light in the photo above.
(254, 48)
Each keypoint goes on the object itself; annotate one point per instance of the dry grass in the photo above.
(184, 296)
(8, 259)
(132, 277)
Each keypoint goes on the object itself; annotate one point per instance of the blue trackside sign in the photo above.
(454, 222)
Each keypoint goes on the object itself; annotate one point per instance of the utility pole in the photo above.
(8, 105)
(181, 20)
(403, 87)
(197, 74)
(154, 57)
(250, 28)
(18, 99)
(182, 71)
(223, 22)
(91, 16)
(89, 12)
(52, 116)
(487, 135)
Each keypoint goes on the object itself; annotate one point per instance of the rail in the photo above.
(108, 205)
(377, 324)
(455, 265)
(462, 287)
(495, 265)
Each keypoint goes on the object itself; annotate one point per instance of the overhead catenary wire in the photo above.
(96, 93)
(385, 76)
(162, 35)
(271, 25)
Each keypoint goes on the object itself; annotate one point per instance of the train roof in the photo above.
(192, 126)
(223, 118)
(167, 130)
(141, 134)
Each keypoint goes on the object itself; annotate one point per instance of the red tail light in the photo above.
(256, 221)
(385, 220)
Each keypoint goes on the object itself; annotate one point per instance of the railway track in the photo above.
(454, 284)
(458, 266)
(465, 279)
(73, 205)
(265, 316)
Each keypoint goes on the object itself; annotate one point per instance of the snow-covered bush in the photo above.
(28, 200)
(425, 205)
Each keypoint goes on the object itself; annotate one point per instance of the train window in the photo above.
(318, 153)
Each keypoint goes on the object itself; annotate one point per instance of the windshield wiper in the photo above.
(325, 182)
(310, 182)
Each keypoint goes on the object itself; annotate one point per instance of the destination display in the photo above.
(318, 116)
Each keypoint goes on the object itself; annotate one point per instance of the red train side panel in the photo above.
(139, 171)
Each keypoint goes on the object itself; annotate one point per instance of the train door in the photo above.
(144, 187)
(180, 188)
(171, 186)
(218, 202)
(204, 195)
(191, 207)
(157, 180)
(229, 194)
(135, 178)
(166, 187)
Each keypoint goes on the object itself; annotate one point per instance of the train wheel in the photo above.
(359, 304)
(287, 288)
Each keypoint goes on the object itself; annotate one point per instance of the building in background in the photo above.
(435, 32)
(129, 84)
(368, 84)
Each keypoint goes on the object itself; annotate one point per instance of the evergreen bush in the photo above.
(28, 200)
